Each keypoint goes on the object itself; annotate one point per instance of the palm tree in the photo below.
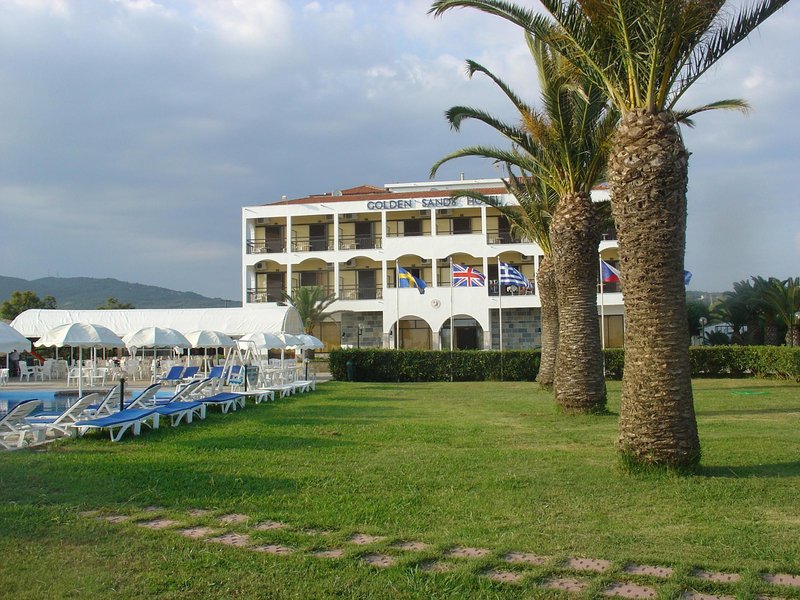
(783, 301)
(310, 302)
(531, 220)
(568, 143)
(646, 54)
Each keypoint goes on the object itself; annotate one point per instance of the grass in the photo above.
(489, 465)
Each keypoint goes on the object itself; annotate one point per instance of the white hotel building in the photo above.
(350, 241)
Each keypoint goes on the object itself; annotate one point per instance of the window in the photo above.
(461, 225)
(412, 227)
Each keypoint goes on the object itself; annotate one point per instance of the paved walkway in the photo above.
(574, 576)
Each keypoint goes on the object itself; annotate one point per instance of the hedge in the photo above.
(523, 365)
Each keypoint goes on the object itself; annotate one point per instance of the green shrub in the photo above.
(435, 365)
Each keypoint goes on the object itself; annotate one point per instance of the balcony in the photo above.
(502, 236)
(259, 295)
(359, 242)
(265, 247)
(311, 244)
(353, 292)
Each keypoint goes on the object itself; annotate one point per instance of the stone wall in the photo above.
(371, 329)
(522, 329)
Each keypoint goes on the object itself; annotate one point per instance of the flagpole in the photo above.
(452, 322)
(602, 307)
(397, 304)
(500, 312)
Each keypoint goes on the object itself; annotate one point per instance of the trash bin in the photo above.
(350, 365)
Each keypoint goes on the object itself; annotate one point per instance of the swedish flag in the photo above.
(406, 279)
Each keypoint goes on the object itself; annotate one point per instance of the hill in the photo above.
(89, 293)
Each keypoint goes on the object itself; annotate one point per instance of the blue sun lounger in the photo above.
(174, 375)
(177, 408)
(225, 400)
(130, 418)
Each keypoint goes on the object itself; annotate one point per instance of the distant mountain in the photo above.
(89, 293)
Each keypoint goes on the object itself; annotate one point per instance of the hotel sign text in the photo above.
(416, 203)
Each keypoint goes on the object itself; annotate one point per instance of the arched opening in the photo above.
(468, 334)
(415, 334)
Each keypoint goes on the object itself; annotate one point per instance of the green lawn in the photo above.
(486, 465)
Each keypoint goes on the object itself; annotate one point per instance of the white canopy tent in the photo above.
(234, 322)
(11, 339)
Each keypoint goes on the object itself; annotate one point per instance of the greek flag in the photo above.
(510, 276)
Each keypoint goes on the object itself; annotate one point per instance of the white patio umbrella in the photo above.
(206, 338)
(80, 335)
(11, 339)
(155, 338)
(262, 340)
(310, 342)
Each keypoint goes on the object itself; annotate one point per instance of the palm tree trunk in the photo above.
(546, 281)
(579, 383)
(648, 174)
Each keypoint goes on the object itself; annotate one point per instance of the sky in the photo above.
(132, 132)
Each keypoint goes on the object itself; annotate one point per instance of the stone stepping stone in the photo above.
(116, 518)
(270, 526)
(650, 570)
(196, 533)
(233, 519)
(382, 561)
(587, 564)
(770, 598)
(362, 539)
(699, 596)
(312, 531)
(158, 523)
(411, 546)
(273, 549)
(781, 579)
(504, 576)
(527, 558)
(332, 553)
(236, 540)
(462, 552)
(717, 576)
(567, 584)
(198, 512)
(629, 590)
(434, 566)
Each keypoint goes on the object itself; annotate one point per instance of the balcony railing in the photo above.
(311, 244)
(257, 295)
(497, 236)
(352, 292)
(359, 242)
(264, 247)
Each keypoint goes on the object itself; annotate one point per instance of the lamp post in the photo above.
(358, 335)
(703, 322)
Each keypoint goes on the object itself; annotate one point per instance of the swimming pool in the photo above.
(53, 401)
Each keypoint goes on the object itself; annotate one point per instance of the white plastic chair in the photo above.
(4, 374)
(25, 371)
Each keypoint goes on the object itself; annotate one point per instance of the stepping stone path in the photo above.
(157, 524)
(411, 546)
(527, 558)
(197, 533)
(717, 576)
(629, 590)
(382, 561)
(553, 581)
(461, 552)
(362, 539)
(274, 549)
(504, 576)
(587, 564)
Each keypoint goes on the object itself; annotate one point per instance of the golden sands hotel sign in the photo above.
(417, 203)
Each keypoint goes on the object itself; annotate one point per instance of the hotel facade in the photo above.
(351, 242)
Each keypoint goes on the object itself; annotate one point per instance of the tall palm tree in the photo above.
(568, 142)
(783, 300)
(646, 54)
(310, 302)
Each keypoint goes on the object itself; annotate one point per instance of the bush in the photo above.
(523, 365)
(435, 365)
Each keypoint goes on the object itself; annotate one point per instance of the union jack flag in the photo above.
(467, 277)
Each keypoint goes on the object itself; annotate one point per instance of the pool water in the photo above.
(53, 401)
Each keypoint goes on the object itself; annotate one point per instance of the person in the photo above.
(14, 360)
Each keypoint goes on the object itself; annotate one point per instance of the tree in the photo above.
(19, 302)
(782, 300)
(567, 143)
(310, 302)
(740, 308)
(646, 54)
(114, 304)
